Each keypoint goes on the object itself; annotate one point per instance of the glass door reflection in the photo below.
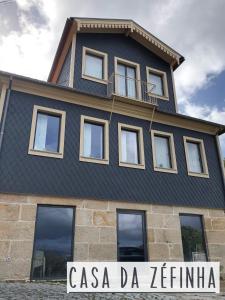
(53, 245)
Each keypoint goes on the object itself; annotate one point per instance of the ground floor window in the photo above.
(53, 242)
(131, 229)
(193, 239)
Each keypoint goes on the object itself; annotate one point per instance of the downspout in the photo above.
(221, 164)
(5, 110)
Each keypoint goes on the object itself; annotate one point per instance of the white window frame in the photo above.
(132, 64)
(171, 148)
(164, 82)
(97, 121)
(96, 53)
(50, 111)
(140, 145)
(205, 173)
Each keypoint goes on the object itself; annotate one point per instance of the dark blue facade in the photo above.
(64, 75)
(28, 174)
(118, 45)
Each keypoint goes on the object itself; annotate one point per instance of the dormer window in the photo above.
(94, 65)
(157, 83)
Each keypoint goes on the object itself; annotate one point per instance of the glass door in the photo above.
(126, 81)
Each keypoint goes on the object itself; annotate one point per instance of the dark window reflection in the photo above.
(53, 242)
(194, 247)
(131, 236)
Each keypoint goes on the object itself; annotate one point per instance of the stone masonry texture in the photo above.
(95, 231)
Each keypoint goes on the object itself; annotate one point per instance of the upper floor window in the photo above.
(94, 65)
(94, 140)
(163, 150)
(195, 157)
(127, 78)
(47, 132)
(157, 83)
(131, 146)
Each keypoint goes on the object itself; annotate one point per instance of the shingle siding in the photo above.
(123, 47)
(65, 71)
(23, 173)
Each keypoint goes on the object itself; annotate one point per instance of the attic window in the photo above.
(94, 65)
(157, 83)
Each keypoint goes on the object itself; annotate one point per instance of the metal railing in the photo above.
(127, 87)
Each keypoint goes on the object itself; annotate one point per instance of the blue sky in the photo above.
(30, 31)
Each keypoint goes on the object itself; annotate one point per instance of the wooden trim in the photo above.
(43, 109)
(174, 90)
(139, 130)
(205, 173)
(164, 80)
(132, 108)
(72, 60)
(138, 73)
(103, 122)
(172, 152)
(2, 99)
(105, 65)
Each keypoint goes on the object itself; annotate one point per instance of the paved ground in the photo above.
(39, 291)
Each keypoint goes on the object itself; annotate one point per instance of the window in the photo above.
(157, 83)
(94, 140)
(131, 146)
(53, 242)
(94, 65)
(163, 150)
(193, 240)
(131, 235)
(195, 157)
(127, 78)
(47, 132)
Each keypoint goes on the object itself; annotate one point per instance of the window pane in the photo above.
(129, 144)
(194, 248)
(53, 242)
(194, 157)
(157, 81)
(94, 66)
(162, 152)
(47, 133)
(126, 81)
(131, 233)
(93, 140)
(121, 80)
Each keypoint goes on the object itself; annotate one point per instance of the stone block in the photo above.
(154, 221)
(216, 213)
(86, 234)
(113, 205)
(171, 221)
(208, 223)
(21, 250)
(54, 200)
(10, 198)
(176, 252)
(9, 212)
(191, 210)
(104, 218)
(84, 217)
(102, 252)
(108, 235)
(28, 212)
(167, 236)
(4, 249)
(150, 235)
(162, 209)
(215, 237)
(158, 252)
(81, 252)
(218, 224)
(217, 251)
(16, 230)
(93, 204)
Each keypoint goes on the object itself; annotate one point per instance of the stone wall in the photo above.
(95, 231)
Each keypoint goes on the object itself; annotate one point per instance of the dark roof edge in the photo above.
(45, 83)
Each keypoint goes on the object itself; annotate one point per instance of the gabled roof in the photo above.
(127, 27)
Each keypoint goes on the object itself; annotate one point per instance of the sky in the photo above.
(30, 31)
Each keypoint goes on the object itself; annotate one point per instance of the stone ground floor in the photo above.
(39, 291)
(95, 231)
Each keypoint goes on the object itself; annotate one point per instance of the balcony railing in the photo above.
(130, 88)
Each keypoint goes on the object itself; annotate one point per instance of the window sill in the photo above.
(164, 170)
(159, 97)
(86, 77)
(134, 166)
(45, 153)
(203, 175)
(94, 160)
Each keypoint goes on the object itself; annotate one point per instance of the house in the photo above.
(96, 164)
